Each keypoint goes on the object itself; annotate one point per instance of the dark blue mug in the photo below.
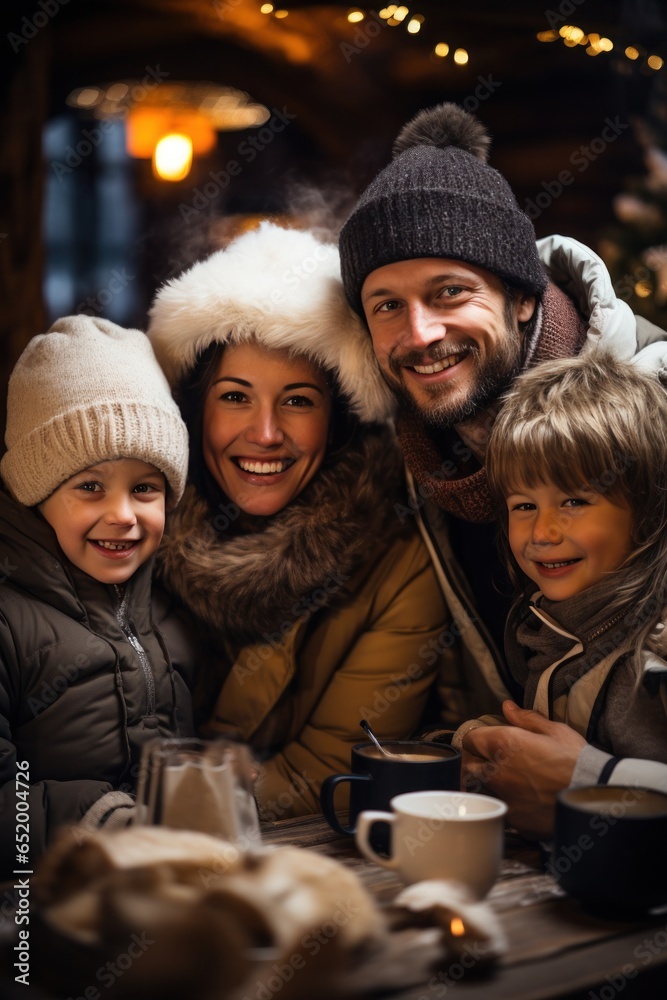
(609, 848)
(415, 766)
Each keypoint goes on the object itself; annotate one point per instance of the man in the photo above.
(459, 298)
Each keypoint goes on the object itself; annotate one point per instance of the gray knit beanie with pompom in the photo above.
(439, 198)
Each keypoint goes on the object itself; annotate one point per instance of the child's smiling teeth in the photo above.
(557, 565)
(114, 546)
(263, 468)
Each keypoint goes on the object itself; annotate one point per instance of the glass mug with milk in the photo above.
(203, 785)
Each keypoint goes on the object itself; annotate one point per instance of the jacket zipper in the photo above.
(126, 625)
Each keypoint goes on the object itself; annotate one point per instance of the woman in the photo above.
(316, 597)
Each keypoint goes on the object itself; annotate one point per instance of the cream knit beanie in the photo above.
(89, 391)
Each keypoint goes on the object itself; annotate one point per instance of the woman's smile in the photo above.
(263, 466)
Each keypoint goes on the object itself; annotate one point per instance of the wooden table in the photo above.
(556, 950)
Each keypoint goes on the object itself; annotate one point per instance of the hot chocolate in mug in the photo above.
(414, 765)
(608, 848)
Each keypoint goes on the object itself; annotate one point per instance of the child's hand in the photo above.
(524, 763)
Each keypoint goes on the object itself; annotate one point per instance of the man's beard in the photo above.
(490, 380)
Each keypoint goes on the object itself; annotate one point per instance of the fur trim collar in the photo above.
(243, 586)
(282, 289)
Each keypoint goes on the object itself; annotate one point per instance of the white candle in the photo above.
(463, 921)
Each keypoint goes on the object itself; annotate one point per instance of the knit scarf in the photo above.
(460, 487)
(531, 645)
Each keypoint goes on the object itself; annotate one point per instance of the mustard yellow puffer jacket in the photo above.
(329, 613)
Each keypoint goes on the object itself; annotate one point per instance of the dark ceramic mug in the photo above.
(609, 847)
(376, 779)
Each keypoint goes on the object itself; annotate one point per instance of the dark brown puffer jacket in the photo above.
(85, 679)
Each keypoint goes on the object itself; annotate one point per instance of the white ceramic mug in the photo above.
(204, 785)
(441, 835)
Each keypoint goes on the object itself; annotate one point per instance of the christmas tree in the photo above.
(636, 250)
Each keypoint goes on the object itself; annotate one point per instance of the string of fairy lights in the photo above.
(397, 16)
(170, 123)
(594, 45)
(394, 16)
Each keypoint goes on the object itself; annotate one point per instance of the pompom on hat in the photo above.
(279, 288)
(440, 198)
(89, 391)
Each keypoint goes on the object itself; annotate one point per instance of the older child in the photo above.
(96, 451)
(577, 458)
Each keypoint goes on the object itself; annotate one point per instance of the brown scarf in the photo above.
(531, 646)
(452, 484)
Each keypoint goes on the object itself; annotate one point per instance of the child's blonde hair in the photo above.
(597, 423)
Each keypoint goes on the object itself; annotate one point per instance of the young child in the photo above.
(96, 451)
(578, 460)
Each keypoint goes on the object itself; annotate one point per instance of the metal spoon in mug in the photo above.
(369, 732)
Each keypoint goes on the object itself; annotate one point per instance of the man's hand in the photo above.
(524, 763)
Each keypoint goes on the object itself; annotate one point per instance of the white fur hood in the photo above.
(282, 289)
